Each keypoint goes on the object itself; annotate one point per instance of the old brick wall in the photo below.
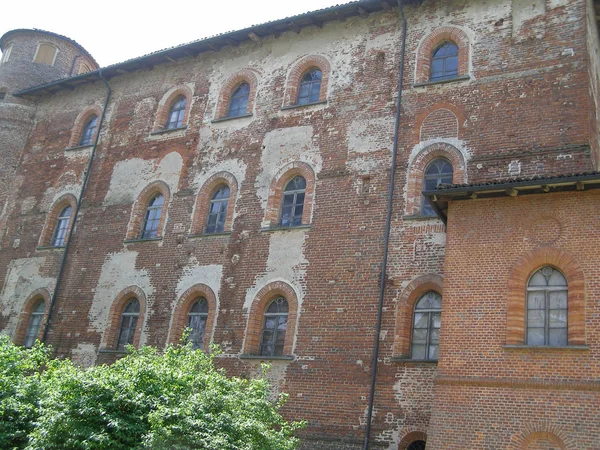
(519, 113)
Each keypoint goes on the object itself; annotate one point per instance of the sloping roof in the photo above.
(217, 42)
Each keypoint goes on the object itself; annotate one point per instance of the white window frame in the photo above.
(56, 50)
(6, 55)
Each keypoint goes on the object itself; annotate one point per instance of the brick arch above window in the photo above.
(24, 317)
(111, 334)
(81, 121)
(419, 164)
(406, 305)
(49, 229)
(201, 208)
(410, 438)
(167, 100)
(517, 293)
(182, 309)
(281, 179)
(536, 436)
(229, 87)
(134, 228)
(432, 42)
(261, 302)
(299, 70)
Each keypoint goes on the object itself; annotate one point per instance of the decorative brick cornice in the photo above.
(520, 383)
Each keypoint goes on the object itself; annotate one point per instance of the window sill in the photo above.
(207, 235)
(133, 241)
(116, 352)
(268, 358)
(297, 227)
(168, 130)
(321, 102)
(546, 347)
(78, 147)
(413, 361)
(225, 119)
(448, 80)
(419, 217)
(50, 247)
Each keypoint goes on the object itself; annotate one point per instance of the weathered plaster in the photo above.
(84, 355)
(368, 135)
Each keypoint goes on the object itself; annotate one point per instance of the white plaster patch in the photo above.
(22, 279)
(118, 272)
(524, 10)
(386, 41)
(131, 176)
(81, 153)
(193, 273)
(283, 146)
(84, 355)
(27, 205)
(52, 194)
(367, 135)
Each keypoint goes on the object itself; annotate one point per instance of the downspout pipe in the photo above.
(388, 226)
(86, 177)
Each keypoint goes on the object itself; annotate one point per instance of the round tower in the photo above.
(29, 58)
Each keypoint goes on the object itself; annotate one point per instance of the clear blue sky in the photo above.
(113, 31)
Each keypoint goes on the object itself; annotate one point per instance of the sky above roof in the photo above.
(114, 31)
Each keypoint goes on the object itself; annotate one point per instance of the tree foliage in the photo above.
(174, 399)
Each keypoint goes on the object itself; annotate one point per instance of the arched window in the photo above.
(175, 119)
(35, 323)
(416, 445)
(310, 87)
(547, 308)
(293, 202)
(217, 212)
(87, 136)
(62, 225)
(274, 328)
(45, 54)
(444, 62)
(152, 217)
(197, 318)
(439, 171)
(129, 320)
(426, 326)
(239, 101)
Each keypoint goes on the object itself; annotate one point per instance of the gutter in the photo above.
(86, 177)
(388, 226)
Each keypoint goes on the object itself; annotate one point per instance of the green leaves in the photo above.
(176, 399)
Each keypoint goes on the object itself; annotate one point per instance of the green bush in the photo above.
(175, 399)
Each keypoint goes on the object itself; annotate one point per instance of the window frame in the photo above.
(446, 74)
(199, 342)
(309, 99)
(277, 349)
(88, 132)
(426, 209)
(181, 108)
(6, 54)
(62, 224)
(236, 98)
(430, 312)
(131, 330)
(40, 44)
(152, 233)
(294, 205)
(222, 212)
(35, 315)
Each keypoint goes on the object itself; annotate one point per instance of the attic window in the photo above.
(6, 55)
(45, 54)
(83, 68)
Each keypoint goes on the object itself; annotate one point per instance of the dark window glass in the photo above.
(239, 101)
(152, 218)
(217, 211)
(444, 62)
(274, 328)
(416, 445)
(128, 323)
(426, 326)
(87, 136)
(547, 308)
(35, 323)
(439, 171)
(197, 321)
(60, 230)
(310, 87)
(175, 119)
(293, 202)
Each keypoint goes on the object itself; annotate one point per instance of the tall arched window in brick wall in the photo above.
(443, 55)
(415, 440)
(128, 326)
(196, 309)
(310, 87)
(274, 327)
(35, 323)
(85, 127)
(89, 131)
(238, 104)
(292, 204)
(307, 81)
(444, 62)
(176, 113)
(439, 171)
(197, 318)
(173, 109)
(125, 319)
(237, 95)
(32, 318)
(215, 204)
(217, 210)
(149, 211)
(427, 319)
(58, 222)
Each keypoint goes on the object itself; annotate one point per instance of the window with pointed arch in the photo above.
(310, 87)
(152, 217)
(89, 131)
(292, 204)
(439, 171)
(427, 319)
(238, 104)
(176, 113)
(35, 323)
(129, 319)
(217, 211)
(444, 62)
(196, 321)
(274, 327)
(62, 227)
(547, 308)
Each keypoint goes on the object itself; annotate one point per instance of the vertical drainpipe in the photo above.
(77, 207)
(388, 225)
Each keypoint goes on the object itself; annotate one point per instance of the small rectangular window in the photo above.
(45, 54)
(6, 55)
(2, 95)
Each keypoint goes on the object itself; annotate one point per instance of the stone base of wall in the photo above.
(338, 444)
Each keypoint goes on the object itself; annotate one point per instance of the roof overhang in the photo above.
(444, 194)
